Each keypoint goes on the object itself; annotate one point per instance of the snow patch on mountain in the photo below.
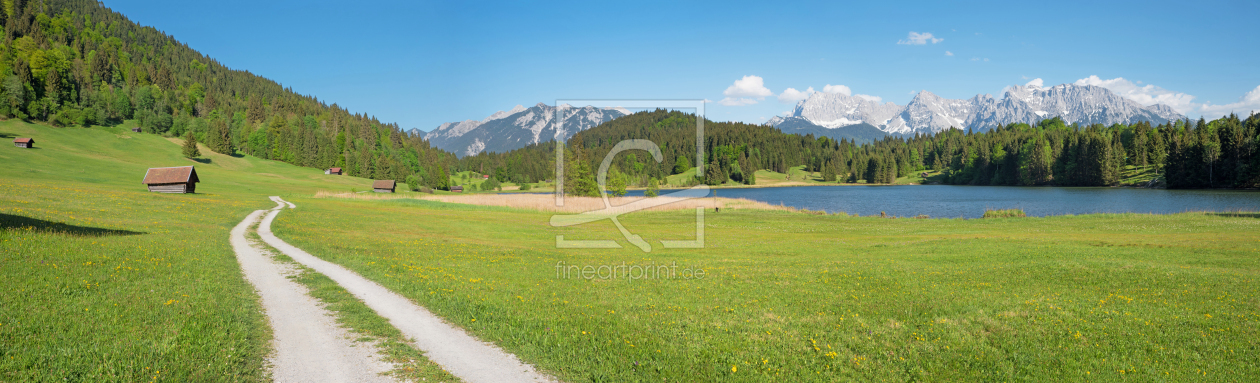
(476, 147)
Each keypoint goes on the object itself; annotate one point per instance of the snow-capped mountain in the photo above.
(929, 113)
(516, 128)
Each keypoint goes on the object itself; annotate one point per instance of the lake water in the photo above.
(948, 201)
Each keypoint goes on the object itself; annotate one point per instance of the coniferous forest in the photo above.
(1223, 153)
(76, 63)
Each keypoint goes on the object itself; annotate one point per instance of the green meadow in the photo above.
(800, 297)
(103, 281)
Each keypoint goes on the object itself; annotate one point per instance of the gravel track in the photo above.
(309, 345)
(459, 353)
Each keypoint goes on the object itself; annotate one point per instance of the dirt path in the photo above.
(309, 346)
(457, 352)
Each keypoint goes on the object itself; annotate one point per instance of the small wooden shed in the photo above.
(136, 129)
(383, 186)
(333, 171)
(180, 179)
(457, 189)
(23, 142)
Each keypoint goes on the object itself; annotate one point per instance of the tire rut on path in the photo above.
(309, 346)
(459, 353)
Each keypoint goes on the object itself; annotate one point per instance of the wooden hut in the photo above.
(383, 186)
(333, 171)
(180, 179)
(136, 129)
(23, 142)
(457, 189)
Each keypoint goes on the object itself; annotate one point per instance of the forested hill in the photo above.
(736, 148)
(1224, 153)
(77, 63)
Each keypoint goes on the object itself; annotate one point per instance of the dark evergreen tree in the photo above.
(190, 146)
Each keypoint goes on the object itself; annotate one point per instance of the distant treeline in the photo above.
(75, 62)
(1184, 154)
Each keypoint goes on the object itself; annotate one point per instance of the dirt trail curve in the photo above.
(456, 351)
(309, 346)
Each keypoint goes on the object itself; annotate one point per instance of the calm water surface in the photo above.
(947, 201)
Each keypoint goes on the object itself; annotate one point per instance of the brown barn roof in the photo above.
(335, 169)
(21, 140)
(170, 175)
(383, 184)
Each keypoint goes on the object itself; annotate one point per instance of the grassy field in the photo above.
(1141, 176)
(796, 297)
(104, 281)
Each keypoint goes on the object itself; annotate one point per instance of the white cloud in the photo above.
(948, 53)
(1246, 104)
(986, 59)
(749, 86)
(975, 59)
(1146, 95)
(868, 97)
(841, 89)
(793, 95)
(733, 101)
(916, 38)
(1036, 82)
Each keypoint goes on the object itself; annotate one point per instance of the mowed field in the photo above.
(102, 280)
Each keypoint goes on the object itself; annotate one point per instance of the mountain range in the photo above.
(517, 128)
(859, 118)
(828, 113)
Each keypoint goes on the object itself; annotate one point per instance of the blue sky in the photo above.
(424, 63)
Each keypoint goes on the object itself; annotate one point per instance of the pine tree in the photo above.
(615, 184)
(1115, 162)
(1034, 162)
(256, 112)
(713, 173)
(219, 139)
(190, 146)
(443, 181)
(873, 170)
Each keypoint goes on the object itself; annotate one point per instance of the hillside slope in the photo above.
(77, 63)
(105, 281)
